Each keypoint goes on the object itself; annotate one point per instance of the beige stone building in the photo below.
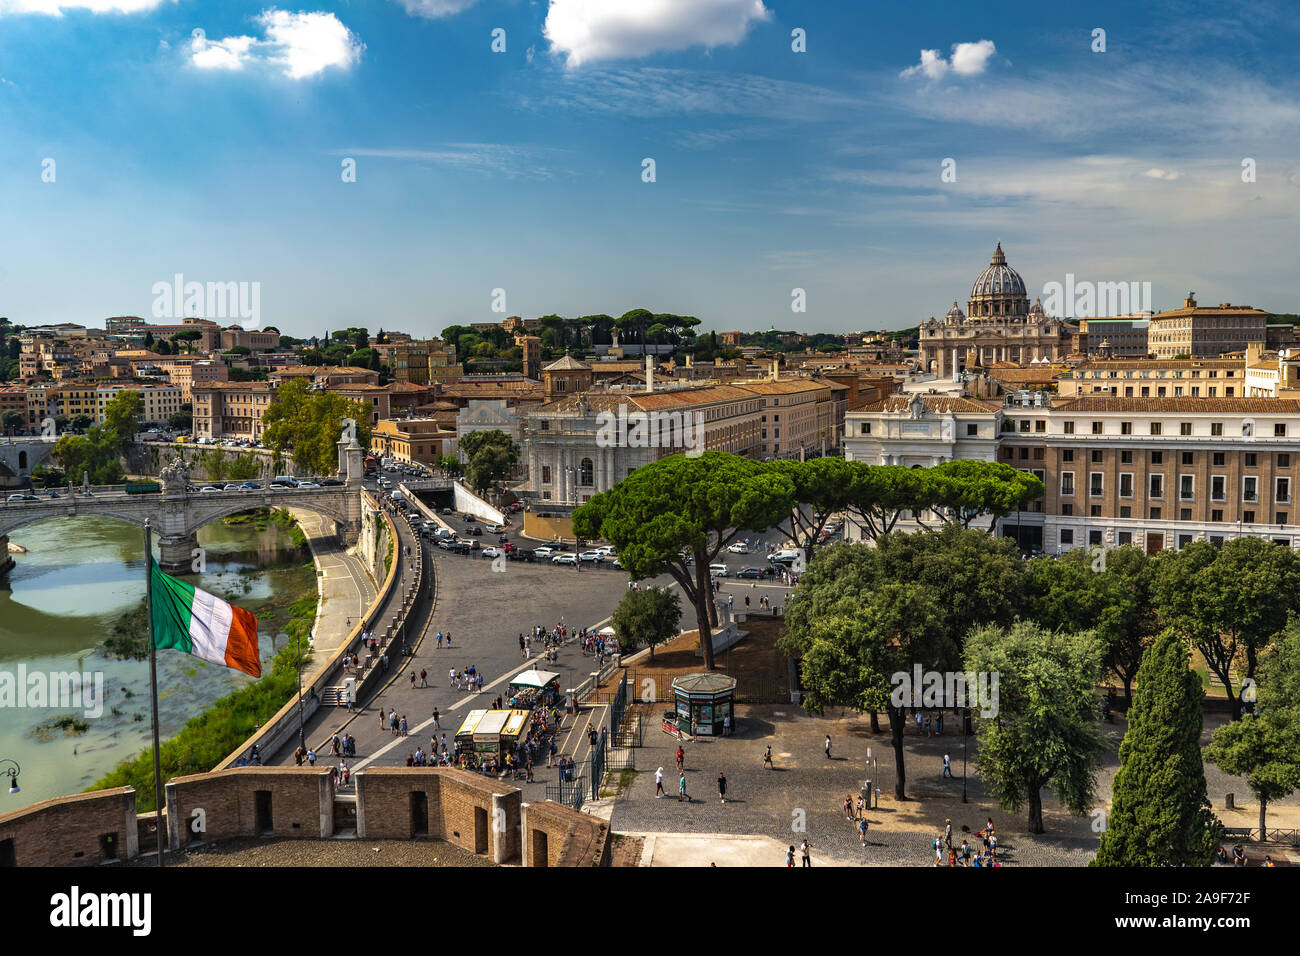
(1155, 378)
(231, 409)
(1196, 330)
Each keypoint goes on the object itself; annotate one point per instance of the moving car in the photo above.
(251, 486)
(23, 497)
(719, 569)
(475, 530)
(209, 489)
(784, 556)
(737, 548)
(752, 572)
(496, 528)
(232, 486)
(307, 484)
(565, 558)
(492, 552)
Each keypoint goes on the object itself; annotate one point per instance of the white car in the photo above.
(307, 484)
(589, 556)
(209, 489)
(496, 528)
(23, 497)
(737, 548)
(565, 558)
(719, 569)
(491, 552)
(545, 551)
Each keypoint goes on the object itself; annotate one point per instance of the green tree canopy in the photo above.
(679, 506)
(309, 423)
(1160, 814)
(963, 490)
(822, 487)
(1045, 732)
(647, 617)
(1229, 600)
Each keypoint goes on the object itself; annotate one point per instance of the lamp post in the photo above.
(965, 726)
(11, 773)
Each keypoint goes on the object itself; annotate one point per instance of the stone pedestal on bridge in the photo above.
(176, 552)
(6, 559)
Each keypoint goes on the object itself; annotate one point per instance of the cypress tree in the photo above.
(1160, 815)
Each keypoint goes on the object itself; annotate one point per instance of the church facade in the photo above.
(999, 325)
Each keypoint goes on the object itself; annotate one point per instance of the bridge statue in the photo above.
(175, 475)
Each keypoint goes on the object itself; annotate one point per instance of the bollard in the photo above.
(1229, 803)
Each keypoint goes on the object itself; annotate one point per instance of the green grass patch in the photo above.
(70, 724)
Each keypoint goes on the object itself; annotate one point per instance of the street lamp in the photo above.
(965, 727)
(12, 774)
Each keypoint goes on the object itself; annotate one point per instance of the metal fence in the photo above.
(652, 687)
(1267, 835)
(569, 794)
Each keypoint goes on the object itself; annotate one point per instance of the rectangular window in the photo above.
(1040, 425)
(1125, 511)
(1126, 537)
(1096, 428)
(1024, 454)
(1217, 492)
(1284, 461)
(1126, 428)
(1067, 536)
(1157, 486)
(1218, 459)
(1157, 458)
(1155, 514)
(1186, 487)
(1248, 517)
(1280, 518)
(1096, 456)
(1279, 430)
(1187, 458)
(1283, 492)
(1184, 428)
(1067, 484)
(1094, 511)
(972, 431)
(1094, 484)
(1126, 485)
(1069, 428)
(1094, 536)
(1156, 428)
(1250, 459)
(1185, 514)
(1126, 457)
(1216, 514)
(866, 428)
(1067, 454)
(1067, 510)
(1216, 428)
(1248, 488)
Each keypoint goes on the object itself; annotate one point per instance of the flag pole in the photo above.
(153, 683)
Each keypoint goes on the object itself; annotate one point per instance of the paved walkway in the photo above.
(346, 589)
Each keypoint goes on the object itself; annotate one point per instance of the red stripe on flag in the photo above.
(241, 648)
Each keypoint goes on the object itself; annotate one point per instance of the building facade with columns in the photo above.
(999, 325)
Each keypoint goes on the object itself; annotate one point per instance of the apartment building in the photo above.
(1156, 378)
(790, 422)
(186, 375)
(231, 409)
(235, 336)
(1154, 472)
(412, 440)
(158, 403)
(425, 362)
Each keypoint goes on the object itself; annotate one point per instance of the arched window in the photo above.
(585, 473)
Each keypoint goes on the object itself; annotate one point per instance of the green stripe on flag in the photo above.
(173, 602)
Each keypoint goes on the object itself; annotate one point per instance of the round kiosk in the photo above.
(704, 702)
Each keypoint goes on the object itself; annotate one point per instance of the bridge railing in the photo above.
(283, 726)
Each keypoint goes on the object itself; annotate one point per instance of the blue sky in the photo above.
(219, 157)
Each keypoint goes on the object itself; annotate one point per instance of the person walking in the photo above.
(424, 677)
(806, 847)
(436, 725)
(767, 759)
(659, 780)
(862, 829)
(681, 789)
(789, 857)
(722, 787)
(828, 746)
(947, 833)
(947, 766)
(681, 758)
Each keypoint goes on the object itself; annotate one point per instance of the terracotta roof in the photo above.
(1121, 365)
(782, 388)
(1191, 406)
(567, 364)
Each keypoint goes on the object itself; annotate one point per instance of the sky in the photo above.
(380, 163)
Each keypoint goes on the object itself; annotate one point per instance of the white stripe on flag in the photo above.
(210, 627)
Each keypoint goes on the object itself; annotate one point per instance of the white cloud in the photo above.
(585, 31)
(301, 44)
(968, 59)
(55, 8)
(500, 159)
(433, 9)
(1161, 174)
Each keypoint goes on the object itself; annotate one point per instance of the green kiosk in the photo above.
(703, 704)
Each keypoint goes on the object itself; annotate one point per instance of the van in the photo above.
(718, 569)
(785, 556)
(285, 481)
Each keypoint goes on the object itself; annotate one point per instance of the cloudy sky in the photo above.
(140, 139)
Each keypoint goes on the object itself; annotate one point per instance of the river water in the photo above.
(67, 594)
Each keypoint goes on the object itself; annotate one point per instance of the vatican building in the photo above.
(999, 325)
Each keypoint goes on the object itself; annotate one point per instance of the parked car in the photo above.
(545, 551)
(589, 556)
(492, 552)
(738, 548)
(719, 569)
(753, 572)
(784, 556)
(565, 558)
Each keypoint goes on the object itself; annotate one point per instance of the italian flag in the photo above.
(201, 624)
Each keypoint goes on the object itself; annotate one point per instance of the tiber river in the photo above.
(67, 594)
